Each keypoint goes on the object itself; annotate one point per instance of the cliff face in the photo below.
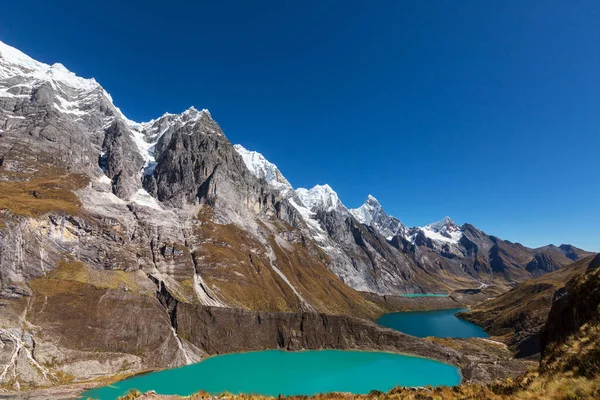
(220, 330)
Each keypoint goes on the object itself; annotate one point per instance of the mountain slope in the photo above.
(126, 223)
(518, 316)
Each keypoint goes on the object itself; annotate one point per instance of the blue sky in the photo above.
(486, 111)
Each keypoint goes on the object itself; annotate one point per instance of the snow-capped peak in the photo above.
(13, 62)
(147, 134)
(444, 230)
(260, 167)
(444, 225)
(192, 114)
(320, 198)
(372, 213)
(365, 213)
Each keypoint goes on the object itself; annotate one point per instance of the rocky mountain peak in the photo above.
(371, 199)
(13, 62)
(320, 198)
(372, 213)
(366, 212)
(262, 168)
(446, 224)
(442, 234)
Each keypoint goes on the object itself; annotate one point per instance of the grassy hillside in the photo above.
(517, 316)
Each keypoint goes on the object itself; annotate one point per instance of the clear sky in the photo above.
(486, 111)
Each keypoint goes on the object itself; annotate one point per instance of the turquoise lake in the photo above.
(440, 323)
(425, 295)
(274, 372)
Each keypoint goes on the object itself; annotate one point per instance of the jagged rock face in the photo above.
(380, 267)
(213, 328)
(195, 163)
(50, 110)
(542, 263)
(260, 167)
(372, 213)
(121, 159)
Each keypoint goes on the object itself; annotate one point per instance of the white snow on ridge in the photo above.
(260, 167)
(444, 231)
(309, 216)
(372, 213)
(452, 237)
(364, 213)
(320, 197)
(74, 96)
(13, 62)
(147, 134)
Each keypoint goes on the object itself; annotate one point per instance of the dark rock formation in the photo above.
(224, 330)
(122, 160)
(541, 264)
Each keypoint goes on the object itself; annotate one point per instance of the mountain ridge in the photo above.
(98, 211)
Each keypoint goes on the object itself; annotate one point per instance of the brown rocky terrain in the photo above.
(127, 247)
(517, 316)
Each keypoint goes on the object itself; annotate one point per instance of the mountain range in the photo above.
(103, 220)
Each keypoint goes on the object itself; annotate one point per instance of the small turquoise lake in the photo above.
(425, 295)
(440, 323)
(274, 372)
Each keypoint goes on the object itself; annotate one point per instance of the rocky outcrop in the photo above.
(517, 316)
(541, 264)
(570, 339)
(121, 160)
(574, 306)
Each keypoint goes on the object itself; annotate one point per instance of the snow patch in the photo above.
(321, 198)
(308, 216)
(14, 62)
(260, 167)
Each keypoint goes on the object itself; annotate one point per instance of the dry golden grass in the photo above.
(71, 276)
(42, 194)
(39, 187)
(238, 266)
(525, 306)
